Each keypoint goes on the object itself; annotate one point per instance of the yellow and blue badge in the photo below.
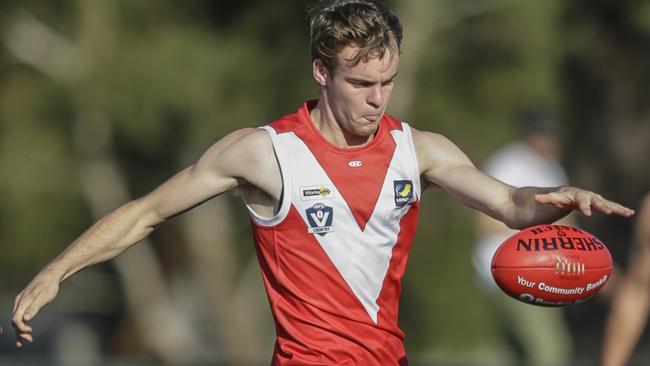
(320, 219)
(403, 192)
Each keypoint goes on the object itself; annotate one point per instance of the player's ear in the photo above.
(321, 73)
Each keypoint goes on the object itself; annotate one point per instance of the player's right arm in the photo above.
(631, 304)
(228, 163)
(443, 164)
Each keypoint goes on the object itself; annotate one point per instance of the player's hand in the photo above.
(40, 292)
(583, 201)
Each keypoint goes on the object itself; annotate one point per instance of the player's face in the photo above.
(358, 94)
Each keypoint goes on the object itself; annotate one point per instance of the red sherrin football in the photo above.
(551, 265)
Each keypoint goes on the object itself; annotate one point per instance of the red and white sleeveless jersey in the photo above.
(333, 256)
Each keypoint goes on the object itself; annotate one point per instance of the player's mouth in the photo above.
(372, 118)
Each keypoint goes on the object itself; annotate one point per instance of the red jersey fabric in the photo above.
(333, 256)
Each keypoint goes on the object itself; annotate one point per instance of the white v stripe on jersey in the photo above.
(333, 256)
(362, 257)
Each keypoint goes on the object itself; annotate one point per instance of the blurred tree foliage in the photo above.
(483, 61)
(175, 77)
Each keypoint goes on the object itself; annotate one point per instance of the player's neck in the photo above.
(325, 122)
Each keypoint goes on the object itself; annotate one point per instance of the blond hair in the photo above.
(363, 23)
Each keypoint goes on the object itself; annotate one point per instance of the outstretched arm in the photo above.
(222, 167)
(443, 164)
(629, 312)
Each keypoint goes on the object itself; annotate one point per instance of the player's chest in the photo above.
(351, 199)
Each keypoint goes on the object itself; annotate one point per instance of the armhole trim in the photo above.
(285, 200)
(415, 166)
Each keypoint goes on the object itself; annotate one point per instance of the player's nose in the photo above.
(375, 96)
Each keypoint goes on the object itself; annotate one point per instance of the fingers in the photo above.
(602, 205)
(18, 319)
(27, 310)
(22, 338)
(608, 207)
(20, 327)
(584, 201)
(41, 291)
(557, 199)
(17, 301)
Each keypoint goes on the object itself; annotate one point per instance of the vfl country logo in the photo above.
(403, 192)
(320, 219)
(316, 193)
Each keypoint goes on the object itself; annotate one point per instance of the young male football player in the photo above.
(333, 191)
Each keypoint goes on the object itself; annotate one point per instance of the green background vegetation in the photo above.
(146, 86)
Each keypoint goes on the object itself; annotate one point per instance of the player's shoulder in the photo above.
(250, 145)
(422, 135)
(245, 138)
(431, 142)
(245, 148)
(254, 137)
(435, 151)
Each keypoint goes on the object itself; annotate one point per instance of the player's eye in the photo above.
(361, 84)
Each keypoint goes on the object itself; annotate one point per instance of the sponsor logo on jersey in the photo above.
(320, 219)
(316, 193)
(403, 192)
(355, 163)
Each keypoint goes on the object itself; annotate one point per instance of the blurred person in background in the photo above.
(536, 336)
(333, 192)
(631, 302)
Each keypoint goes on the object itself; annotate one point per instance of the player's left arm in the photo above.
(442, 163)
